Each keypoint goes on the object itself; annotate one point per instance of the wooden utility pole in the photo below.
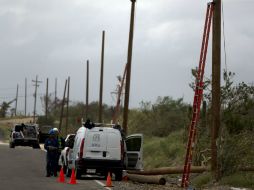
(216, 72)
(67, 107)
(46, 99)
(87, 89)
(25, 95)
(55, 92)
(35, 95)
(128, 73)
(62, 107)
(101, 79)
(16, 102)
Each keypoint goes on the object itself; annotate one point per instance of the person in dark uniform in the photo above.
(61, 145)
(51, 145)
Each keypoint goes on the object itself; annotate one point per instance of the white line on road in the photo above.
(100, 183)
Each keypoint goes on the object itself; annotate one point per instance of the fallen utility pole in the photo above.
(128, 73)
(62, 107)
(157, 179)
(216, 72)
(101, 79)
(169, 170)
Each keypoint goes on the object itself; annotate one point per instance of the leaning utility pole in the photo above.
(87, 89)
(119, 94)
(216, 72)
(62, 107)
(35, 95)
(46, 100)
(67, 107)
(128, 73)
(25, 95)
(101, 79)
(16, 102)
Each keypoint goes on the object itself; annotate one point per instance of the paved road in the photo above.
(23, 168)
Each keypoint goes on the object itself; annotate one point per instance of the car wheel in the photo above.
(36, 146)
(118, 175)
(12, 145)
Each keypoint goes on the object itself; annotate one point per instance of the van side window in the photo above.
(133, 144)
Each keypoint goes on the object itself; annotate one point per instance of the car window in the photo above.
(18, 128)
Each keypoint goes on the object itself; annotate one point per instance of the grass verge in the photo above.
(164, 151)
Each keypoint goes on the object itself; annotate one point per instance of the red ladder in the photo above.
(197, 97)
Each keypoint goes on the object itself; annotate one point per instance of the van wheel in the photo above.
(118, 175)
(78, 174)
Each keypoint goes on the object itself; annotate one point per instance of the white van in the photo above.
(102, 149)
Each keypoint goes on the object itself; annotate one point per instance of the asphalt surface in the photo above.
(23, 168)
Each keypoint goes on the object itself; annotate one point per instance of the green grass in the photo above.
(5, 129)
(239, 179)
(164, 151)
(201, 180)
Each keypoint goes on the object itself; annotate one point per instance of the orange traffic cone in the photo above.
(73, 178)
(109, 182)
(61, 176)
(125, 178)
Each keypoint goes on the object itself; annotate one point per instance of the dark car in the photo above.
(44, 132)
(24, 135)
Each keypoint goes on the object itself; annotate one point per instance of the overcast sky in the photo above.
(54, 38)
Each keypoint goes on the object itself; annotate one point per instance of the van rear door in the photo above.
(95, 143)
(134, 151)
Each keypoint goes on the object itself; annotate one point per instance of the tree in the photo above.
(4, 108)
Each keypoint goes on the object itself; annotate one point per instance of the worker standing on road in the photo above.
(61, 143)
(51, 145)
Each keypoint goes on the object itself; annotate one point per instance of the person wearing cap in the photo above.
(51, 145)
(61, 143)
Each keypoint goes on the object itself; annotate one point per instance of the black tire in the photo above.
(78, 173)
(118, 175)
(12, 145)
(36, 146)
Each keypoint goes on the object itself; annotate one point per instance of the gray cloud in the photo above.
(54, 38)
